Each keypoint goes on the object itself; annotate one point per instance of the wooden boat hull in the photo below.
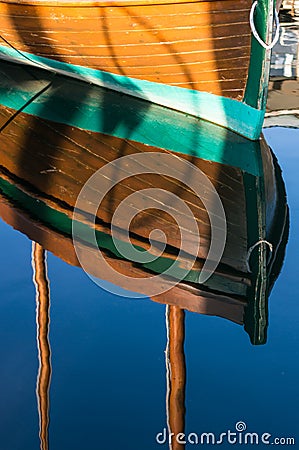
(46, 158)
(197, 56)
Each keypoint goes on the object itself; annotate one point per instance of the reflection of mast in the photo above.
(176, 374)
(44, 351)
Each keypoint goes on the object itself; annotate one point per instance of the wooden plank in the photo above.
(174, 38)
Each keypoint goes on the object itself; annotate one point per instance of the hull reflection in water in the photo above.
(53, 141)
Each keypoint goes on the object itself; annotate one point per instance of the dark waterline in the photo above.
(108, 383)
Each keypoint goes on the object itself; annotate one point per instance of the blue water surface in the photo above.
(108, 382)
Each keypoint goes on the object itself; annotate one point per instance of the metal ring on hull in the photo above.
(255, 33)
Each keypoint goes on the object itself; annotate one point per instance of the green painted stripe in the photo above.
(232, 114)
(101, 110)
(60, 222)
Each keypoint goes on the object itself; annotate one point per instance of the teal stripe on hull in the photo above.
(232, 114)
(100, 110)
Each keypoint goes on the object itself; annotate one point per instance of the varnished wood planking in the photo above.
(109, 3)
(136, 38)
(59, 159)
(177, 38)
(52, 46)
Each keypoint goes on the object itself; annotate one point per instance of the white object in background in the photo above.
(287, 69)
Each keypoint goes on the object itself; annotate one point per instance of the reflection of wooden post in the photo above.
(176, 374)
(44, 351)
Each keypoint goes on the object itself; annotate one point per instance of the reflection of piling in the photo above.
(176, 374)
(44, 351)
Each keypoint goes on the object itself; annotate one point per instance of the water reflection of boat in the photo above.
(45, 161)
(196, 56)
